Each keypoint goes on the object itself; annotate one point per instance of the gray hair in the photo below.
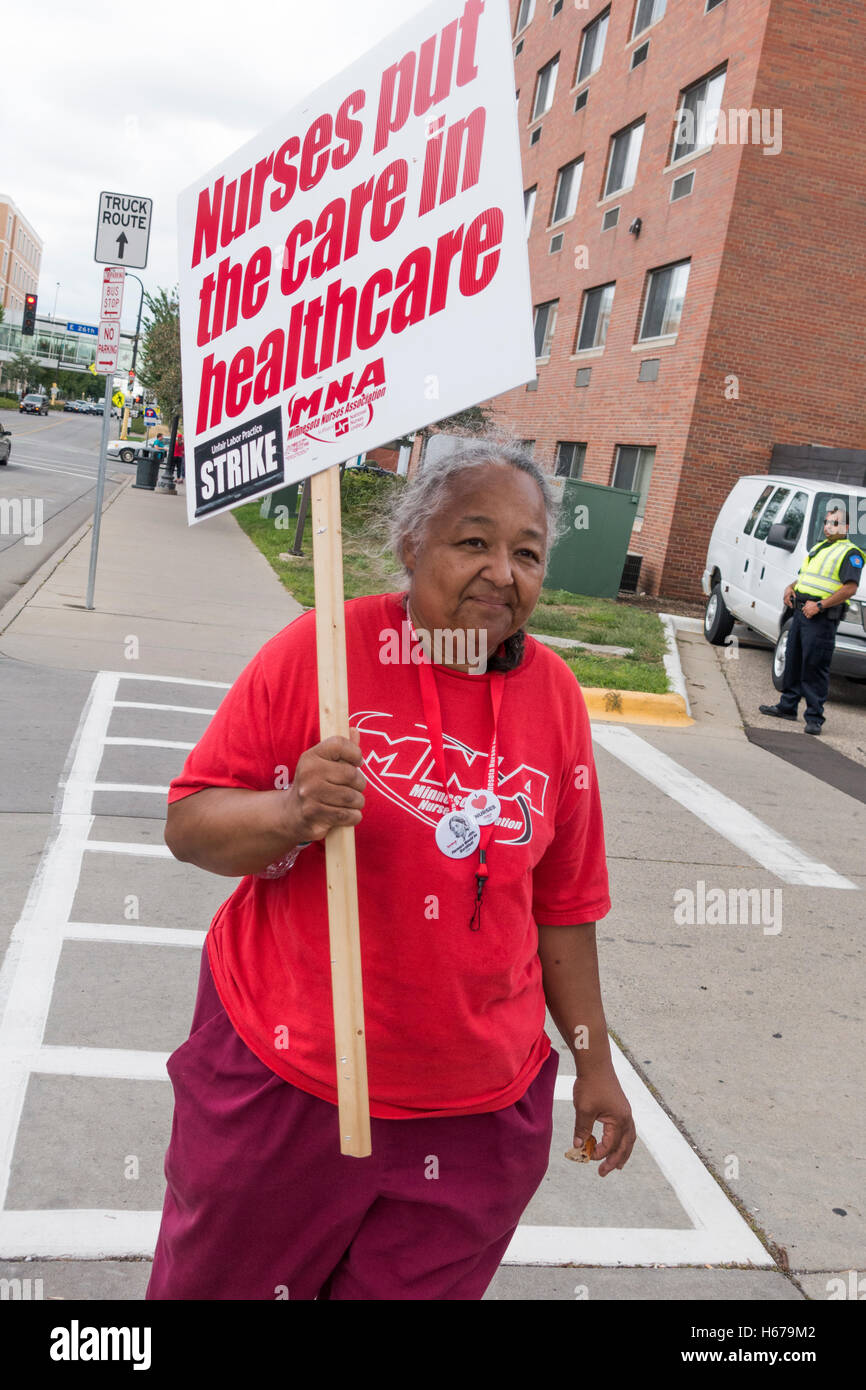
(426, 492)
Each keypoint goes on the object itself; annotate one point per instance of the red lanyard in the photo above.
(433, 718)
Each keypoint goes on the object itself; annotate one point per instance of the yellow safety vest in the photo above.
(819, 572)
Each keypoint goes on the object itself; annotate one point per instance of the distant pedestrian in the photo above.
(178, 457)
(828, 577)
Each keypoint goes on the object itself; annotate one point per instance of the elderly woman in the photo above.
(481, 875)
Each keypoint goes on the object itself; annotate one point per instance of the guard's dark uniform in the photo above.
(811, 642)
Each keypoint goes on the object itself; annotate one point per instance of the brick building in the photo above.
(695, 176)
(20, 259)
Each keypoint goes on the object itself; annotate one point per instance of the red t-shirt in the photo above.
(454, 1017)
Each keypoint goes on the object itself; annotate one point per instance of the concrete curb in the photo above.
(10, 610)
(637, 707)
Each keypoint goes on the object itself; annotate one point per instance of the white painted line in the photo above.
(168, 680)
(781, 856)
(69, 472)
(30, 964)
(615, 1246)
(127, 787)
(711, 1214)
(83, 1235)
(127, 847)
(121, 1063)
(133, 933)
(147, 743)
(176, 709)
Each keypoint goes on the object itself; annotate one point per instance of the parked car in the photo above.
(5, 445)
(35, 404)
(762, 534)
(124, 449)
(128, 450)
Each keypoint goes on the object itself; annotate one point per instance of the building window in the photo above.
(528, 445)
(646, 12)
(624, 156)
(545, 322)
(666, 293)
(569, 459)
(682, 187)
(592, 47)
(640, 55)
(698, 115)
(610, 219)
(595, 317)
(632, 471)
(529, 205)
(567, 189)
(711, 5)
(544, 86)
(525, 12)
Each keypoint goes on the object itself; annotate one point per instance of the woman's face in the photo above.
(480, 564)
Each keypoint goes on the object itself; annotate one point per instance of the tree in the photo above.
(22, 367)
(159, 364)
(475, 419)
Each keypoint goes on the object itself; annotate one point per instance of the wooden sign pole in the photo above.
(352, 1095)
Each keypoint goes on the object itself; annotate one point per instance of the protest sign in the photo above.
(355, 272)
(359, 269)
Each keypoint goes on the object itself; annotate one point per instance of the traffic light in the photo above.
(28, 323)
(130, 377)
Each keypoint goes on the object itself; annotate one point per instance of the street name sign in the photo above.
(123, 230)
(88, 328)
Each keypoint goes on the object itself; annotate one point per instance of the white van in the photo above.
(761, 537)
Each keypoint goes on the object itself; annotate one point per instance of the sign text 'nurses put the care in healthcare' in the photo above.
(359, 269)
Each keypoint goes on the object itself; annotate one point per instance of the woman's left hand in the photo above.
(599, 1096)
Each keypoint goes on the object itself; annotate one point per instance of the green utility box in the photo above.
(283, 497)
(589, 557)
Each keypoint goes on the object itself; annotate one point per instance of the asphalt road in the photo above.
(50, 482)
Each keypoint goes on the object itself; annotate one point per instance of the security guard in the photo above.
(828, 576)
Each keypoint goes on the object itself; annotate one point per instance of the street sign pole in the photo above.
(108, 343)
(100, 489)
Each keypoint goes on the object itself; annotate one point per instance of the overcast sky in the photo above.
(142, 100)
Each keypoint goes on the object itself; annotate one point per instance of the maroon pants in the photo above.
(261, 1204)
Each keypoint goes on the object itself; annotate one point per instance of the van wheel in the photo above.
(718, 622)
(779, 657)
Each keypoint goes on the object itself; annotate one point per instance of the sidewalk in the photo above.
(152, 568)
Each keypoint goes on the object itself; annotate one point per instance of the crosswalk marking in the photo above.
(717, 1232)
(725, 816)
